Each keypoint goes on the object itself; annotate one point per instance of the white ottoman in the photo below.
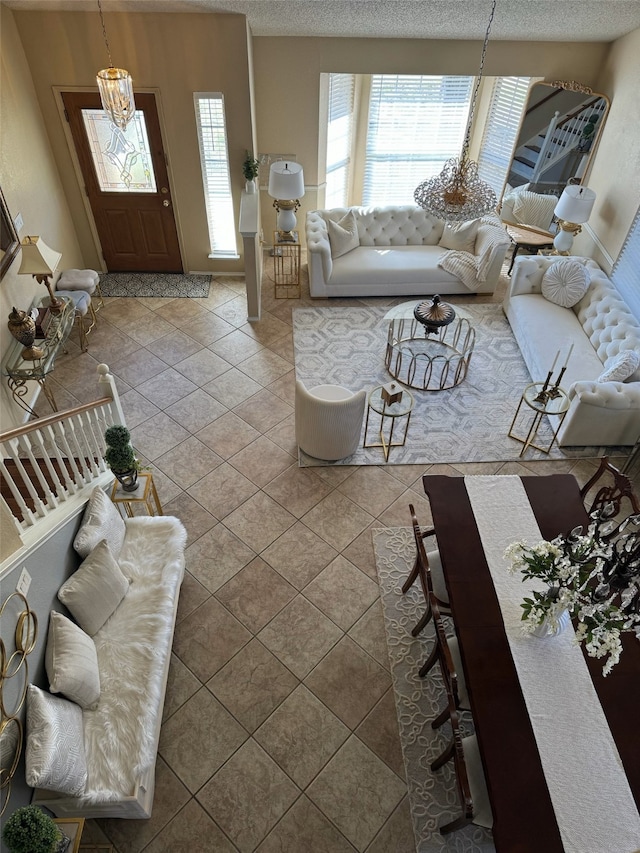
(87, 280)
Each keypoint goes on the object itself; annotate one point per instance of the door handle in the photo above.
(166, 203)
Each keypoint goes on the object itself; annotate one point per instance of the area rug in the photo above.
(167, 285)
(468, 423)
(433, 796)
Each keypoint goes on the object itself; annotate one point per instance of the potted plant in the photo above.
(121, 458)
(250, 169)
(30, 830)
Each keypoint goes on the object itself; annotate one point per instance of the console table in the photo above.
(19, 371)
(527, 238)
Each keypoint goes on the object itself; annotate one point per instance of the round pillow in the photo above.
(565, 283)
(622, 367)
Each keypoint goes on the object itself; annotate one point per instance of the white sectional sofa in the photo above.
(600, 327)
(398, 254)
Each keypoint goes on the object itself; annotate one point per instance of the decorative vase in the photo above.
(552, 627)
(128, 479)
(250, 187)
(23, 328)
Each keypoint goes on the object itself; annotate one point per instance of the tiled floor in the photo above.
(279, 727)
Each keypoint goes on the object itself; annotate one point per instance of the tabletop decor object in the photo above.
(30, 830)
(121, 458)
(572, 211)
(592, 575)
(286, 186)
(41, 262)
(250, 168)
(23, 328)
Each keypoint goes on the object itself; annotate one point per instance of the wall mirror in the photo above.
(558, 135)
(9, 242)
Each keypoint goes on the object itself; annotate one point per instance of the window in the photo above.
(339, 139)
(212, 137)
(625, 270)
(508, 99)
(416, 123)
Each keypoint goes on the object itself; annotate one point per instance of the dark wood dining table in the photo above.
(524, 819)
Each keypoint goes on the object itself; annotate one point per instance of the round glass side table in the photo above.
(391, 402)
(553, 402)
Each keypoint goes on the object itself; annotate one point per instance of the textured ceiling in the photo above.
(521, 20)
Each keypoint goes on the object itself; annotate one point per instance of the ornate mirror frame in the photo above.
(9, 241)
(576, 115)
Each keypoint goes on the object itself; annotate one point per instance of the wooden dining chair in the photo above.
(428, 569)
(470, 780)
(446, 653)
(615, 489)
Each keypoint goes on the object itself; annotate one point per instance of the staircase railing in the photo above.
(562, 137)
(58, 459)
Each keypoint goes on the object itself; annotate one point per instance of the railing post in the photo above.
(544, 149)
(108, 388)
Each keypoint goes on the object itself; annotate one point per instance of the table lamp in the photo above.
(572, 211)
(41, 262)
(286, 185)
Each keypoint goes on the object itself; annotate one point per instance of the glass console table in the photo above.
(20, 371)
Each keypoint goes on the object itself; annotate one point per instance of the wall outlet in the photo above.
(18, 223)
(24, 582)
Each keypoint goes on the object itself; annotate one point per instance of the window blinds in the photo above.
(339, 139)
(416, 123)
(501, 129)
(212, 138)
(626, 270)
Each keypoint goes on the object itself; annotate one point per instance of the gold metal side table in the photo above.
(391, 402)
(144, 494)
(553, 406)
(286, 266)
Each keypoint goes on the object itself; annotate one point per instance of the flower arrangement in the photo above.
(593, 575)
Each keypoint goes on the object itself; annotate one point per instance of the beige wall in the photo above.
(174, 54)
(31, 185)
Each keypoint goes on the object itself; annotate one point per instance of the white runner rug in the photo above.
(594, 806)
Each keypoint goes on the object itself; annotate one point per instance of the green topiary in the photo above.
(30, 830)
(119, 454)
(250, 167)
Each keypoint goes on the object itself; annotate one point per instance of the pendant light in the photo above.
(116, 88)
(457, 193)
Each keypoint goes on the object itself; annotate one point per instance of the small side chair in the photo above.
(328, 420)
(615, 489)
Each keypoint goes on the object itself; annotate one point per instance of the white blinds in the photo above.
(416, 123)
(339, 139)
(505, 111)
(626, 270)
(212, 138)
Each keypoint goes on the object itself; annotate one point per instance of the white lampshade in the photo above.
(37, 257)
(286, 180)
(575, 205)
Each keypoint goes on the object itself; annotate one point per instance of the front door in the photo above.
(125, 177)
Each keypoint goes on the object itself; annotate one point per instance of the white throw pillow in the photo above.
(622, 367)
(534, 209)
(343, 235)
(460, 236)
(54, 756)
(101, 520)
(565, 283)
(95, 590)
(71, 662)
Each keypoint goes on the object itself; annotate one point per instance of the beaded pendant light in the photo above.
(116, 88)
(458, 193)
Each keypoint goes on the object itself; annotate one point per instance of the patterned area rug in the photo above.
(433, 796)
(468, 423)
(169, 285)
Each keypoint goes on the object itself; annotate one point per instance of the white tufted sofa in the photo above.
(398, 255)
(599, 326)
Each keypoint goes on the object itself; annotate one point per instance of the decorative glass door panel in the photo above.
(121, 158)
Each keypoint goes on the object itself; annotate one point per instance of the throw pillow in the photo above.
(101, 520)
(343, 235)
(71, 662)
(534, 209)
(621, 367)
(54, 756)
(565, 283)
(460, 236)
(95, 590)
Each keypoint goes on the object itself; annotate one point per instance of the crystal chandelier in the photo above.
(116, 88)
(458, 193)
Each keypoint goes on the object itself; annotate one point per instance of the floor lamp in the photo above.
(572, 211)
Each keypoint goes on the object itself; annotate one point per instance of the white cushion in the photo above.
(55, 757)
(460, 236)
(71, 662)
(343, 235)
(565, 283)
(534, 208)
(78, 280)
(101, 520)
(622, 367)
(95, 590)
(369, 265)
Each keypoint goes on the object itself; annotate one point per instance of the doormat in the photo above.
(433, 796)
(164, 285)
(467, 423)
